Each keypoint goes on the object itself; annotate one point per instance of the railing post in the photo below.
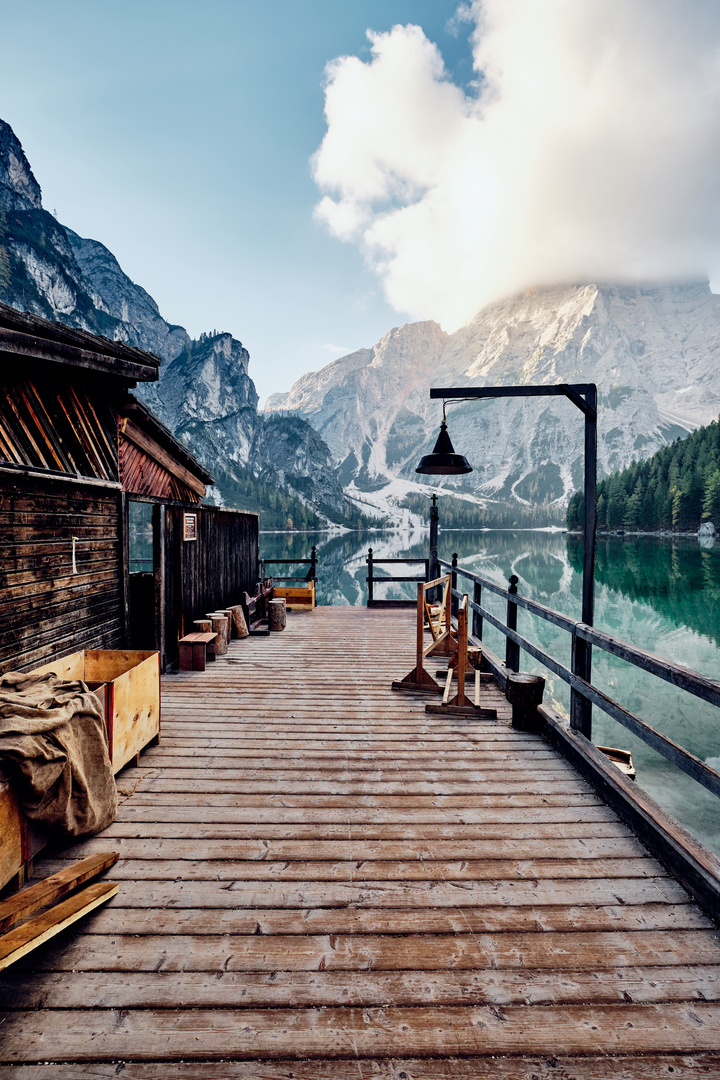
(477, 622)
(580, 707)
(313, 564)
(370, 575)
(512, 649)
(453, 585)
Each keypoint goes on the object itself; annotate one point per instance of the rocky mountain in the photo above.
(653, 351)
(205, 393)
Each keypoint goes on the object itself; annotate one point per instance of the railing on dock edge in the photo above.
(310, 576)
(372, 580)
(690, 681)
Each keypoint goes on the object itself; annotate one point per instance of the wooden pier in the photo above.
(320, 880)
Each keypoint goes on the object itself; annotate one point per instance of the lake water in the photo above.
(660, 594)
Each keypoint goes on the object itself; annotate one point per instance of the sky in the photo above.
(179, 134)
(307, 175)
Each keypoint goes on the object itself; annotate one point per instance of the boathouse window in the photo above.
(140, 537)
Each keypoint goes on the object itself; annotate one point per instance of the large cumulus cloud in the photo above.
(589, 149)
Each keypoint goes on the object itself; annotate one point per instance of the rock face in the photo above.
(205, 393)
(19, 190)
(653, 352)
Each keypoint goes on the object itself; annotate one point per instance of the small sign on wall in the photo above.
(189, 526)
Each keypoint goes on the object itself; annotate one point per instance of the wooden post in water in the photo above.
(312, 576)
(512, 649)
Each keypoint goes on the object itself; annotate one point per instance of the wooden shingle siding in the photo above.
(142, 475)
(60, 425)
(46, 611)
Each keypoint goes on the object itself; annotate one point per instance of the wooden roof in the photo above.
(153, 461)
(34, 338)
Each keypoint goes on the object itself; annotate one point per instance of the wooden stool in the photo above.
(240, 629)
(194, 649)
(276, 614)
(220, 627)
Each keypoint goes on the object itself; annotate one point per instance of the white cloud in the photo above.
(593, 151)
(337, 350)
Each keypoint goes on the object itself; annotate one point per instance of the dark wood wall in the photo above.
(201, 575)
(46, 611)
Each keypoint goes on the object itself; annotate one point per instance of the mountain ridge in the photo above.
(652, 349)
(205, 394)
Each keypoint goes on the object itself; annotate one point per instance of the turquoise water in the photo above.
(659, 594)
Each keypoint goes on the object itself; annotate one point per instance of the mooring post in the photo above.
(313, 564)
(370, 575)
(453, 585)
(525, 693)
(477, 622)
(512, 649)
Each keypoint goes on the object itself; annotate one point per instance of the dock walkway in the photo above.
(319, 880)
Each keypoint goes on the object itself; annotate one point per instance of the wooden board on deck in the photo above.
(313, 868)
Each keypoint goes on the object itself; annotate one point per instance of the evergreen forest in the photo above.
(463, 514)
(677, 489)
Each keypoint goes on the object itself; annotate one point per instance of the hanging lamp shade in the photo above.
(444, 461)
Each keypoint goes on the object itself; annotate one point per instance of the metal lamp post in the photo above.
(444, 461)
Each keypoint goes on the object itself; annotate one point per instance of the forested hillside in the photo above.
(677, 488)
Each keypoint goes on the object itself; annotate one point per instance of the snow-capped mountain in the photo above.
(653, 350)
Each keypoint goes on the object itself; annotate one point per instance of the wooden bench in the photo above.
(195, 649)
(255, 607)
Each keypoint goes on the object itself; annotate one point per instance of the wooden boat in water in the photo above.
(621, 758)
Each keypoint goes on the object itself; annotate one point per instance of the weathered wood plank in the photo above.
(120, 919)
(319, 830)
(357, 802)
(21, 940)
(24, 903)
(224, 989)
(367, 850)
(389, 870)
(622, 1067)
(610, 950)
(400, 894)
(146, 1034)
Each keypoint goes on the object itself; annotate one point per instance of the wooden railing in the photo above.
(685, 679)
(373, 580)
(311, 562)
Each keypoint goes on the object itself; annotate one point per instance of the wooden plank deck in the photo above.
(318, 880)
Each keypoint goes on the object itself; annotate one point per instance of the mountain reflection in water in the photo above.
(660, 594)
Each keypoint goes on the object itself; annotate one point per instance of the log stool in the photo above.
(276, 615)
(220, 627)
(240, 629)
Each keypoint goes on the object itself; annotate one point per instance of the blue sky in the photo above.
(179, 134)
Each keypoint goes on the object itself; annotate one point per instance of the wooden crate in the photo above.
(12, 855)
(297, 598)
(133, 694)
(20, 838)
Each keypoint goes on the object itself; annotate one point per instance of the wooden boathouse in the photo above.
(320, 879)
(82, 463)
